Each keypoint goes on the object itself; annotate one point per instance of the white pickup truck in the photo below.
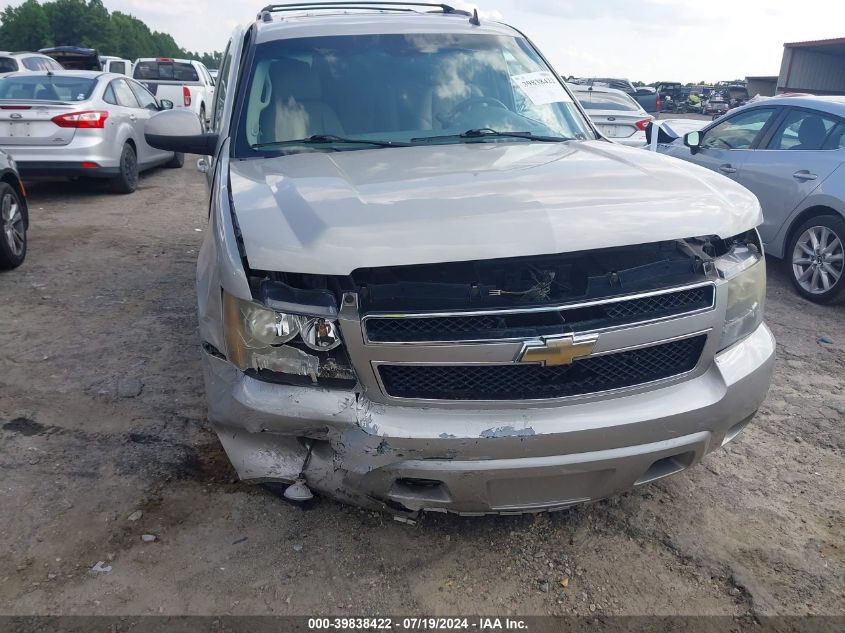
(187, 83)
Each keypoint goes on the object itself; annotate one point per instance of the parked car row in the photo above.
(187, 83)
(647, 97)
(69, 112)
(790, 152)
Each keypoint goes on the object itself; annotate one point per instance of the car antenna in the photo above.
(474, 19)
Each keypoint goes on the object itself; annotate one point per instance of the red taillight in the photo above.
(658, 103)
(186, 95)
(90, 165)
(164, 59)
(642, 125)
(82, 120)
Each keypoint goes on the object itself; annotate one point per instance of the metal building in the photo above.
(816, 66)
(763, 86)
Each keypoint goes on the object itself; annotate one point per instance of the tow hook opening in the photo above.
(411, 491)
(666, 466)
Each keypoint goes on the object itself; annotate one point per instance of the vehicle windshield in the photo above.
(165, 71)
(400, 88)
(47, 88)
(594, 100)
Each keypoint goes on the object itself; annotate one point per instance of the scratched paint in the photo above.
(508, 431)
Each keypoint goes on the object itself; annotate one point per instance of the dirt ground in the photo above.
(103, 439)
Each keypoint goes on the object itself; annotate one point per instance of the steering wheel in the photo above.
(468, 103)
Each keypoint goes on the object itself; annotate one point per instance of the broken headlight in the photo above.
(286, 348)
(744, 268)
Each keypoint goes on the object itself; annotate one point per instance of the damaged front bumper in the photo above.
(407, 459)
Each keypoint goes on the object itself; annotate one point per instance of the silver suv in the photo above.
(430, 284)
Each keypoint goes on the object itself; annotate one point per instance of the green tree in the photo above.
(34, 25)
(68, 21)
(25, 28)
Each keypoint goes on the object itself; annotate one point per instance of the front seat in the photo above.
(811, 134)
(296, 108)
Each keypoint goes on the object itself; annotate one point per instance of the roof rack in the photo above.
(266, 14)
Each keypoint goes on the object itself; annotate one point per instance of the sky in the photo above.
(645, 40)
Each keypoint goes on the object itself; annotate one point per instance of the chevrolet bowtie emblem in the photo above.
(557, 351)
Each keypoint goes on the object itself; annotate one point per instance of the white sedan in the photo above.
(615, 113)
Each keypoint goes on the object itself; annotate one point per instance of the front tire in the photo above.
(127, 180)
(816, 258)
(13, 227)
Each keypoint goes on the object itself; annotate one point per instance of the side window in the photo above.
(206, 77)
(739, 131)
(52, 64)
(125, 96)
(146, 100)
(220, 89)
(118, 67)
(836, 140)
(108, 95)
(802, 129)
(8, 65)
(32, 63)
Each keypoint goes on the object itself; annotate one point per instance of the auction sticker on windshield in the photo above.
(542, 88)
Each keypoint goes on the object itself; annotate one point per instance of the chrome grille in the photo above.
(670, 303)
(533, 382)
(528, 324)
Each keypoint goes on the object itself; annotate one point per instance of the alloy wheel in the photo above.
(818, 259)
(13, 225)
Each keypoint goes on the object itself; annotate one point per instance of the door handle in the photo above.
(803, 174)
(727, 168)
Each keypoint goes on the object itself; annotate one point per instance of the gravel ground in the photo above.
(103, 440)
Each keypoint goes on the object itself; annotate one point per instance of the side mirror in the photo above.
(165, 104)
(179, 131)
(693, 141)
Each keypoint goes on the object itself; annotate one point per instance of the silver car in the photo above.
(616, 114)
(790, 152)
(80, 123)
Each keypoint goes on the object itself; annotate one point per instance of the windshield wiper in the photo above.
(328, 139)
(485, 132)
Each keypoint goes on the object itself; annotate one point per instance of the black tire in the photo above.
(127, 180)
(827, 259)
(203, 121)
(13, 225)
(176, 162)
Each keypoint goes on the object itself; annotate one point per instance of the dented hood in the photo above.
(334, 212)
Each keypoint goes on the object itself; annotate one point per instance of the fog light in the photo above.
(320, 335)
